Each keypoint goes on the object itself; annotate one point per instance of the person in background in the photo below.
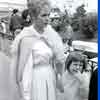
(27, 21)
(64, 29)
(93, 86)
(4, 26)
(55, 21)
(15, 23)
(37, 55)
(1, 27)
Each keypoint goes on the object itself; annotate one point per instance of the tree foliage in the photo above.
(80, 12)
(89, 25)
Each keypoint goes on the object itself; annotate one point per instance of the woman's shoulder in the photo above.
(28, 40)
(27, 34)
(52, 35)
(53, 31)
(27, 29)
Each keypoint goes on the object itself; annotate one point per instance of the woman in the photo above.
(75, 86)
(15, 23)
(63, 27)
(43, 46)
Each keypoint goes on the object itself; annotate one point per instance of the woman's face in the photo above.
(55, 22)
(76, 66)
(43, 17)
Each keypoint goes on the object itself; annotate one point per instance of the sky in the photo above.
(92, 4)
(14, 1)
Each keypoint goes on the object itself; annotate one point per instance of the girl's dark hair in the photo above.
(75, 56)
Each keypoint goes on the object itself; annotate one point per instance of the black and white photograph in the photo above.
(48, 49)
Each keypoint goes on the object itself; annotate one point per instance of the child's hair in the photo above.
(75, 56)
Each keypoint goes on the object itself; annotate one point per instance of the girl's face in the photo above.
(76, 66)
(43, 17)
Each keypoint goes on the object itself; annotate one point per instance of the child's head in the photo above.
(75, 62)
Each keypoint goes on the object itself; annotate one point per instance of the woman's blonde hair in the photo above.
(35, 6)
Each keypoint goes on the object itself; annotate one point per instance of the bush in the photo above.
(88, 25)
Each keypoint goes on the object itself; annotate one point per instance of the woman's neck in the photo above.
(39, 29)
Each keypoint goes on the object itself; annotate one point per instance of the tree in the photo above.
(89, 25)
(80, 12)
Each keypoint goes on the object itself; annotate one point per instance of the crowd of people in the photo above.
(40, 67)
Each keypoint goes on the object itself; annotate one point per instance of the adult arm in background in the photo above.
(57, 46)
(60, 62)
(59, 54)
(56, 43)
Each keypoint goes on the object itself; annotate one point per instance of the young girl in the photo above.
(73, 78)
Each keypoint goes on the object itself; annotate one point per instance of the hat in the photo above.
(54, 15)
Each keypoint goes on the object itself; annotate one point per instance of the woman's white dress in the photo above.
(38, 81)
(43, 76)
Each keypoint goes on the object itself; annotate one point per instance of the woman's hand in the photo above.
(59, 68)
(19, 85)
(18, 78)
(20, 89)
(59, 84)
